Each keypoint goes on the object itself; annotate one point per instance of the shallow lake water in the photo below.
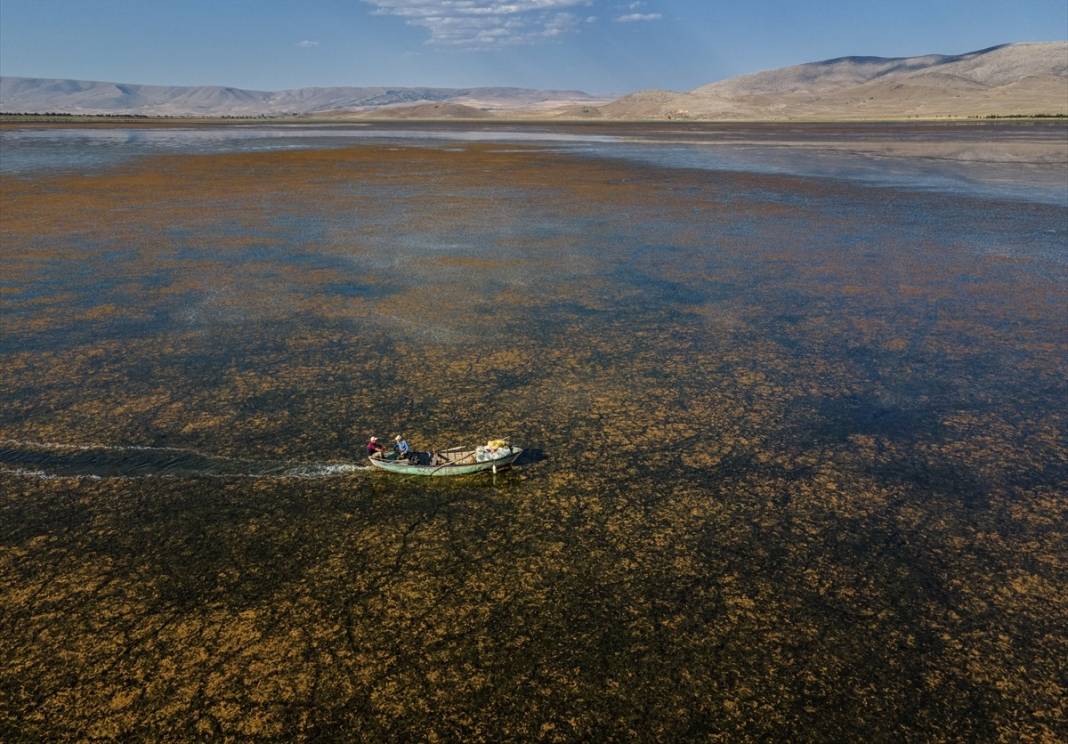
(725, 148)
(795, 423)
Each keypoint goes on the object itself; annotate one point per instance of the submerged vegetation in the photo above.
(802, 453)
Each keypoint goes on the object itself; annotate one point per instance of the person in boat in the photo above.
(403, 450)
(374, 446)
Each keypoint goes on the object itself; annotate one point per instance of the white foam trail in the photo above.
(302, 472)
(322, 470)
(268, 469)
(112, 448)
(42, 475)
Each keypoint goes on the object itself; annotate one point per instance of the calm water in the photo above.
(33, 150)
(796, 429)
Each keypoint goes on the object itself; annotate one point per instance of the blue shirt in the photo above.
(401, 447)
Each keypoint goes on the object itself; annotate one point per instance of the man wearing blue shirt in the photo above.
(401, 446)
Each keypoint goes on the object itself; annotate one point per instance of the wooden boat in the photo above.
(455, 461)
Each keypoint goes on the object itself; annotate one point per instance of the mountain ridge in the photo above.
(1023, 78)
(1006, 79)
(60, 95)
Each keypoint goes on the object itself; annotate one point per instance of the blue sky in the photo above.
(601, 46)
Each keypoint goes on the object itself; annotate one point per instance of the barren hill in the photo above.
(39, 95)
(1026, 78)
(1012, 79)
(423, 111)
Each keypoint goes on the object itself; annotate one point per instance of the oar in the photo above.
(458, 462)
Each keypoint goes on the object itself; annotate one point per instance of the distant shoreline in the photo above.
(973, 140)
(356, 120)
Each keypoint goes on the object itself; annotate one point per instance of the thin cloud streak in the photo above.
(485, 24)
(307, 44)
(638, 17)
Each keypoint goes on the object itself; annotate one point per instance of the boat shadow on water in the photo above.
(529, 457)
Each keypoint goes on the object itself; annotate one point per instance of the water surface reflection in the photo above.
(804, 451)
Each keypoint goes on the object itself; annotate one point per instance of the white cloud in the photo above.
(485, 23)
(306, 44)
(636, 17)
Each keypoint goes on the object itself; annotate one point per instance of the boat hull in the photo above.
(403, 467)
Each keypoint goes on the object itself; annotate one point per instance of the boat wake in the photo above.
(51, 460)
